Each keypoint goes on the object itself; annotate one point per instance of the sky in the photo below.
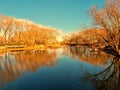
(66, 15)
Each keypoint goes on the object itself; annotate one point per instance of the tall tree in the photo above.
(108, 18)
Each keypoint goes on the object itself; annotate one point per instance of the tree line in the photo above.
(23, 32)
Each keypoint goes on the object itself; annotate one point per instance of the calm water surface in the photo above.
(52, 69)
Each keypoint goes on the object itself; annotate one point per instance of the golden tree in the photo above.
(108, 18)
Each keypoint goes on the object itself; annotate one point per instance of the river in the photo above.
(52, 69)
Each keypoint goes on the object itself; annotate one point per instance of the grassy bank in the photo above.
(23, 47)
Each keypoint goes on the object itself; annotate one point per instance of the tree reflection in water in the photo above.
(86, 55)
(15, 64)
(108, 79)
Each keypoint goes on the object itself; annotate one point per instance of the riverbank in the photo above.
(23, 47)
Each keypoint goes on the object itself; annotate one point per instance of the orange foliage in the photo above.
(17, 31)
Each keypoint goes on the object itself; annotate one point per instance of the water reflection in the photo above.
(85, 54)
(15, 64)
(108, 79)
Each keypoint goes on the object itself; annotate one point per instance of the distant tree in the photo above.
(108, 18)
(66, 39)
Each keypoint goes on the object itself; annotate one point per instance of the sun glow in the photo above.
(59, 39)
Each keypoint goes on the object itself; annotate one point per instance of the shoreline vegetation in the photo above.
(12, 48)
(8, 48)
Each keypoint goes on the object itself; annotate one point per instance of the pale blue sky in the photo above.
(67, 15)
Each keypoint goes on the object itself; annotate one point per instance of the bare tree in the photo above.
(6, 26)
(108, 18)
